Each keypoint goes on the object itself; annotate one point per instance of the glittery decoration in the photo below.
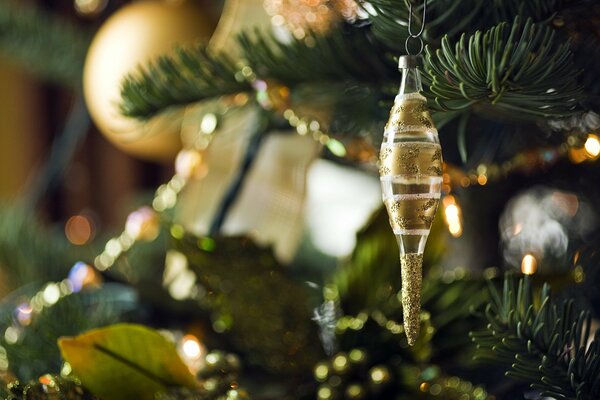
(411, 158)
(426, 219)
(411, 185)
(402, 222)
(383, 170)
(435, 170)
(409, 113)
(411, 264)
(430, 203)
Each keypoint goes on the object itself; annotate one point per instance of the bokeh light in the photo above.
(79, 229)
(452, 215)
(529, 264)
(592, 146)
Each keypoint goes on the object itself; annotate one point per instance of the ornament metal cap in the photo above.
(409, 61)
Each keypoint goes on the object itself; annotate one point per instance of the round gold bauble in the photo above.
(137, 33)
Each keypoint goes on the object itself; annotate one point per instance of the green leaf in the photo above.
(125, 361)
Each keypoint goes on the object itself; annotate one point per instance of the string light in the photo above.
(83, 276)
(90, 7)
(592, 146)
(573, 148)
(142, 224)
(529, 264)
(188, 164)
(313, 128)
(24, 313)
(178, 278)
(192, 351)
(79, 230)
(452, 215)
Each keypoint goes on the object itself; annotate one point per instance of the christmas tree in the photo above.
(266, 266)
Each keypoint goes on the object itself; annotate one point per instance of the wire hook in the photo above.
(415, 35)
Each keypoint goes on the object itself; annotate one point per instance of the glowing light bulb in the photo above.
(592, 146)
(79, 230)
(452, 215)
(24, 313)
(83, 275)
(51, 294)
(192, 352)
(143, 224)
(189, 164)
(191, 347)
(529, 264)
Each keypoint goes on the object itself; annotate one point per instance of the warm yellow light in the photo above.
(191, 347)
(578, 155)
(143, 224)
(452, 216)
(529, 264)
(79, 230)
(452, 211)
(455, 230)
(592, 146)
(90, 7)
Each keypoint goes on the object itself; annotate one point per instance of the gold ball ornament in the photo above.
(137, 33)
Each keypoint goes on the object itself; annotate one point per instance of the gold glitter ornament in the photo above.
(411, 182)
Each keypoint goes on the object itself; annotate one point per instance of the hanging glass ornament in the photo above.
(411, 183)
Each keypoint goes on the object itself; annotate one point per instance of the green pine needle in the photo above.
(515, 67)
(344, 53)
(190, 75)
(195, 74)
(547, 344)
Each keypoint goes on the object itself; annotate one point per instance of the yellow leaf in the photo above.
(125, 362)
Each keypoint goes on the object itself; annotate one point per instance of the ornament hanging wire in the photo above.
(415, 35)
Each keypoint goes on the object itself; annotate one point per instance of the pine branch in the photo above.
(48, 45)
(345, 53)
(188, 76)
(195, 74)
(517, 68)
(389, 18)
(541, 342)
